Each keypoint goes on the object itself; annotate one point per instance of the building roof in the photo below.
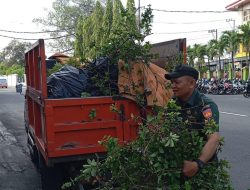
(237, 4)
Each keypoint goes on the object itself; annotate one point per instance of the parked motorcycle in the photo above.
(246, 92)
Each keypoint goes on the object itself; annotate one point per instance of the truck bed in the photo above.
(71, 128)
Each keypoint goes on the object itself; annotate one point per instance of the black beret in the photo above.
(182, 70)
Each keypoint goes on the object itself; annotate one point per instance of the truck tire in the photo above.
(34, 157)
(25, 116)
(51, 177)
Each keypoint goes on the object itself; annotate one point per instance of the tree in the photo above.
(3, 69)
(217, 50)
(107, 21)
(78, 44)
(117, 17)
(63, 18)
(131, 19)
(190, 56)
(97, 27)
(221, 48)
(15, 69)
(87, 37)
(90, 34)
(231, 41)
(200, 52)
(14, 52)
(211, 51)
(245, 39)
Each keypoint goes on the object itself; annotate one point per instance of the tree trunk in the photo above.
(232, 56)
(219, 69)
(248, 64)
(208, 61)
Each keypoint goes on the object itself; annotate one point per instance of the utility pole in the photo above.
(229, 20)
(216, 38)
(233, 69)
(214, 31)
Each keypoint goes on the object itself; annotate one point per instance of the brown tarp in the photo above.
(141, 78)
(59, 57)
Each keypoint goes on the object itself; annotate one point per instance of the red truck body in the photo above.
(61, 130)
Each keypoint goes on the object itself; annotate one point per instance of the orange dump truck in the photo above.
(61, 133)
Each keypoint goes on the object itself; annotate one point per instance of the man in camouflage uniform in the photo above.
(197, 109)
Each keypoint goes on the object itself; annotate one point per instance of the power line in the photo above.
(39, 32)
(184, 32)
(52, 38)
(181, 11)
(200, 22)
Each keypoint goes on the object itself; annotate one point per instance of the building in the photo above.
(243, 8)
(167, 54)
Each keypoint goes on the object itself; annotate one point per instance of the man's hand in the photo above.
(190, 168)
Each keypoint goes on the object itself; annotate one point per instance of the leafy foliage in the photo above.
(54, 69)
(119, 39)
(92, 114)
(119, 34)
(107, 21)
(3, 69)
(117, 15)
(97, 27)
(245, 38)
(79, 44)
(12, 58)
(155, 159)
(63, 18)
(131, 14)
(13, 69)
(13, 53)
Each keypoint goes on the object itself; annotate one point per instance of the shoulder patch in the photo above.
(207, 112)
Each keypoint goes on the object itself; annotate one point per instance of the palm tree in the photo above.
(200, 52)
(216, 49)
(231, 41)
(245, 39)
(190, 56)
(219, 47)
(211, 51)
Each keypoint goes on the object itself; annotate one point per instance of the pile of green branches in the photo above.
(155, 159)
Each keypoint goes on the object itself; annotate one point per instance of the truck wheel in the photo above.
(51, 177)
(34, 157)
(25, 116)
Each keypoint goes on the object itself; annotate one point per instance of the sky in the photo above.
(17, 15)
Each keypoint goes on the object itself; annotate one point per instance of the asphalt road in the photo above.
(18, 173)
(235, 128)
(16, 169)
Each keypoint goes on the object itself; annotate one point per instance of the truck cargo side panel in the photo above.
(72, 130)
